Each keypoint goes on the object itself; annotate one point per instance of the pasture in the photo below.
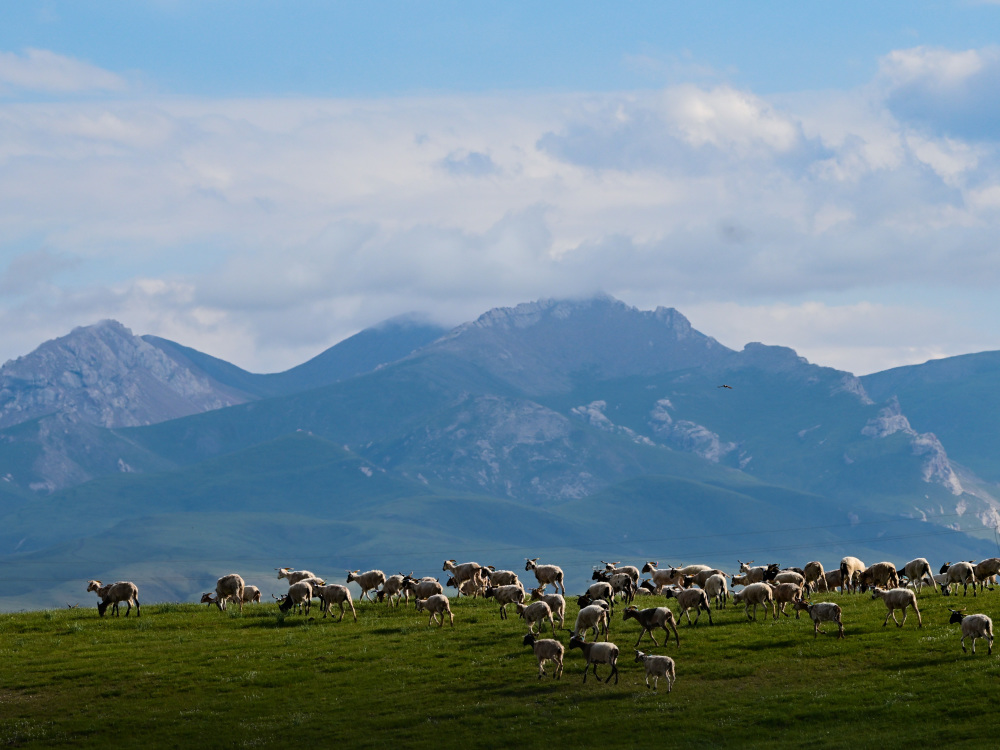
(189, 675)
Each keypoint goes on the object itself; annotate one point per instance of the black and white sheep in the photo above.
(597, 653)
(973, 626)
(113, 594)
(653, 617)
(504, 595)
(300, 596)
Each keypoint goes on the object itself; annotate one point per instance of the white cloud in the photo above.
(44, 71)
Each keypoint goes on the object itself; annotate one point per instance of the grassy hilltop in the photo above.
(189, 675)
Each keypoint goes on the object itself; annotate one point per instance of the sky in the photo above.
(260, 180)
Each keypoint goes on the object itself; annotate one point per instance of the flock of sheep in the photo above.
(696, 588)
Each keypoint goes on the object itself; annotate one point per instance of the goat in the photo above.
(294, 576)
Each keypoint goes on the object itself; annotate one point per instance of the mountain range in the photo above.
(572, 430)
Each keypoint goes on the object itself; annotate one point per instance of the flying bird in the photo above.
(725, 386)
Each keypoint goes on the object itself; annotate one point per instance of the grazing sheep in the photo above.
(597, 653)
(662, 576)
(653, 617)
(784, 594)
(897, 599)
(881, 574)
(657, 666)
(332, 594)
(986, 570)
(503, 577)
(973, 626)
(593, 616)
(113, 594)
(368, 581)
(821, 612)
(547, 574)
(961, 572)
(918, 571)
(546, 649)
(834, 579)
(436, 605)
(756, 593)
(689, 599)
(536, 612)
(463, 571)
(505, 595)
(850, 572)
(556, 602)
(294, 576)
(715, 587)
(229, 587)
(815, 576)
(300, 596)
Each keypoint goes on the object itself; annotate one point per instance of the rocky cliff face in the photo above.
(104, 375)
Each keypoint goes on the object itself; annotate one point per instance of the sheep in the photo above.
(715, 587)
(741, 580)
(850, 571)
(294, 576)
(786, 593)
(597, 653)
(689, 599)
(653, 617)
(593, 616)
(756, 593)
(473, 587)
(789, 576)
(973, 626)
(505, 595)
(332, 594)
(599, 590)
(556, 602)
(368, 581)
(547, 574)
(251, 594)
(621, 583)
(881, 574)
(963, 573)
(462, 571)
(630, 570)
(834, 579)
(759, 573)
(658, 666)
(394, 589)
(436, 605)
(820, 612)
(422, 588)
(546, 649)
(897, 599)
(815, 576)
(503, 577)
(536, 612)
(917, 571)
(701, 577)
(113, 594)
(662, 576)
(299, 595)
(228, 587)
(986, 570)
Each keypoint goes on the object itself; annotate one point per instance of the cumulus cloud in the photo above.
(40, 70)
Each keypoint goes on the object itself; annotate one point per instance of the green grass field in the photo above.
(185, 675)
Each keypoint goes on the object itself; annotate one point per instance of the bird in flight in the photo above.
(725, 386)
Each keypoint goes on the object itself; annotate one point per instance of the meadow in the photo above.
(183, 675)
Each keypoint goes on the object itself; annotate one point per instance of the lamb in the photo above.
(815, 576)
(229, 587)
(294, 576)
(556, 602)
(547, 574)
(881, 574)
(368, 581)
(332, 594)
(786, 593)
(463, 571)
(299, 595)
(715, 587)
(546, 649)
(850, 572)
(536, 612)
(918, 571)
(113, 594)
(756, 593)
(897, 599)
(973, 626)
(597, 653)
(503, 577)
(821, 612)
(593, 616)
(653, 617)
(436, 605)
(505, 595)
(657, 666)
(963, 573)
(689, 599)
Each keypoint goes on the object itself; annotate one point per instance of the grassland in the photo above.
(186, 675)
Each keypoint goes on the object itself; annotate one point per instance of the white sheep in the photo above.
(547, 574)
(897, 599)
(294, 576)
(789, 576)
(229, 587)
(423, 588)
(881, 574)
(463, 571)
(785, 594)
(436, 605)
(597, 653)
(689, 599)
(504, 595)
(657, 666)
(653, 617)
(756, 593)
(963, 573)
(368, 581)
(850, 573)
(556, 602)
(986, 571)
(715, 587)
(113, 594)
(299, 595)
(536, 612)
(919, 572)
(815, 576)
(393, 590)
(503, 577)
(820, 612)
(592, 617)
(630, 570)
(251, 594)
(662, 576)
(332, 594)
(973, 626)
(546, 649)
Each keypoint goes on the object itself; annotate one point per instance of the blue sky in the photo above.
(260, 180)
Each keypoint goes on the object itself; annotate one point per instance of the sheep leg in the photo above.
(709, 610)
(614, 672)
(676, 637)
